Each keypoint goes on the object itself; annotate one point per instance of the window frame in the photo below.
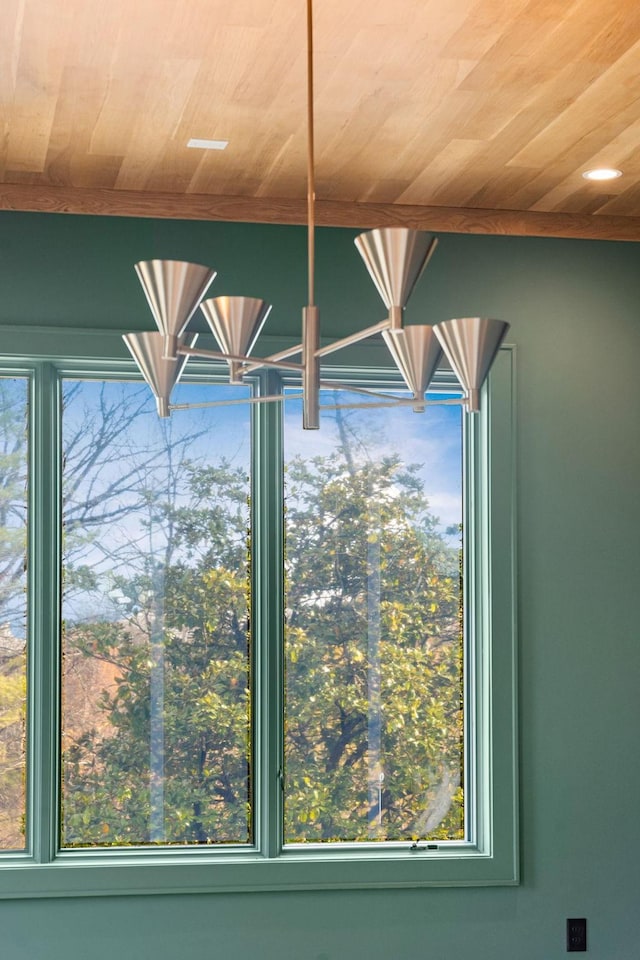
(490, 857)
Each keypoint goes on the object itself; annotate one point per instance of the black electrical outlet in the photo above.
(577, 935)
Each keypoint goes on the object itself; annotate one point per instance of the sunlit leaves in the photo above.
(373, 656)
(13, 609)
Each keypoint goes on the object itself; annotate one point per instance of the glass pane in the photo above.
(374, 646)
(156, 712)
(14, 412)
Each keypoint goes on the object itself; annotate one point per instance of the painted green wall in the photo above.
(575, 313)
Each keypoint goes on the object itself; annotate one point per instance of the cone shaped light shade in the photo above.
(471, 344)
(395, 257)
(173, 289)
(236, 323)
(161, 374)
(417, 353)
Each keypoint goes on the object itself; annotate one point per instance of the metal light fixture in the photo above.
(395, 258)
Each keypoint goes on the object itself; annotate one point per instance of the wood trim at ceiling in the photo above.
(138, 203)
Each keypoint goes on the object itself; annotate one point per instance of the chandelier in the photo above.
(395, 258)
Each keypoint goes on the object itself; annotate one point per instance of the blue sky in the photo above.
(430, 439)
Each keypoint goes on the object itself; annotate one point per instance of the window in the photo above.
(155, 720)
(374, 680)
(252, 662)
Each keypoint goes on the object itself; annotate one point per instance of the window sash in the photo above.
(355, 779)
(489, 856)
(153, 780)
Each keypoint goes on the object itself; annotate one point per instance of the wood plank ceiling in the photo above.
(474, 107)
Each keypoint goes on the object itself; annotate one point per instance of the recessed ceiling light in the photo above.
(602, 173)
(208, 144)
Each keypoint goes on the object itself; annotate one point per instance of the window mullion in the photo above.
(474, 665)
(44, 602)
(268, 613)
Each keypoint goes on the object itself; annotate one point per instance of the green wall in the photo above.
(574, 308)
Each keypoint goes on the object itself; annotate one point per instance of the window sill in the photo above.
(161, 872)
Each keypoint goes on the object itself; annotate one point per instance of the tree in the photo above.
(373, 642)
(13, 683)
(373, 656)
(13, 662)
(97, 496)
(13, 499)
(199, 789)
(360, 539)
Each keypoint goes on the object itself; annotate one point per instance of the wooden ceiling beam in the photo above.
(134, 203)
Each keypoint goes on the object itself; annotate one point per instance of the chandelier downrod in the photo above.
(311, 178)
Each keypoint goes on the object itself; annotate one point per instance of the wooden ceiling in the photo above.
(475, 114)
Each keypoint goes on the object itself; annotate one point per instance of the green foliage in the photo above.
(198, 642)
(373, 657)
(361, 544)
(13, 690)
(13, 545)
(373, 652)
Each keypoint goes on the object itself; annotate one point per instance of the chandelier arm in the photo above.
(271, 398)
(353, 338)
(374, 406)
(448, 402)
(432, 249)
(256, 362)
(334, 385)
(273, 358)
(276, 364)
(276, 398)
(412, 402)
